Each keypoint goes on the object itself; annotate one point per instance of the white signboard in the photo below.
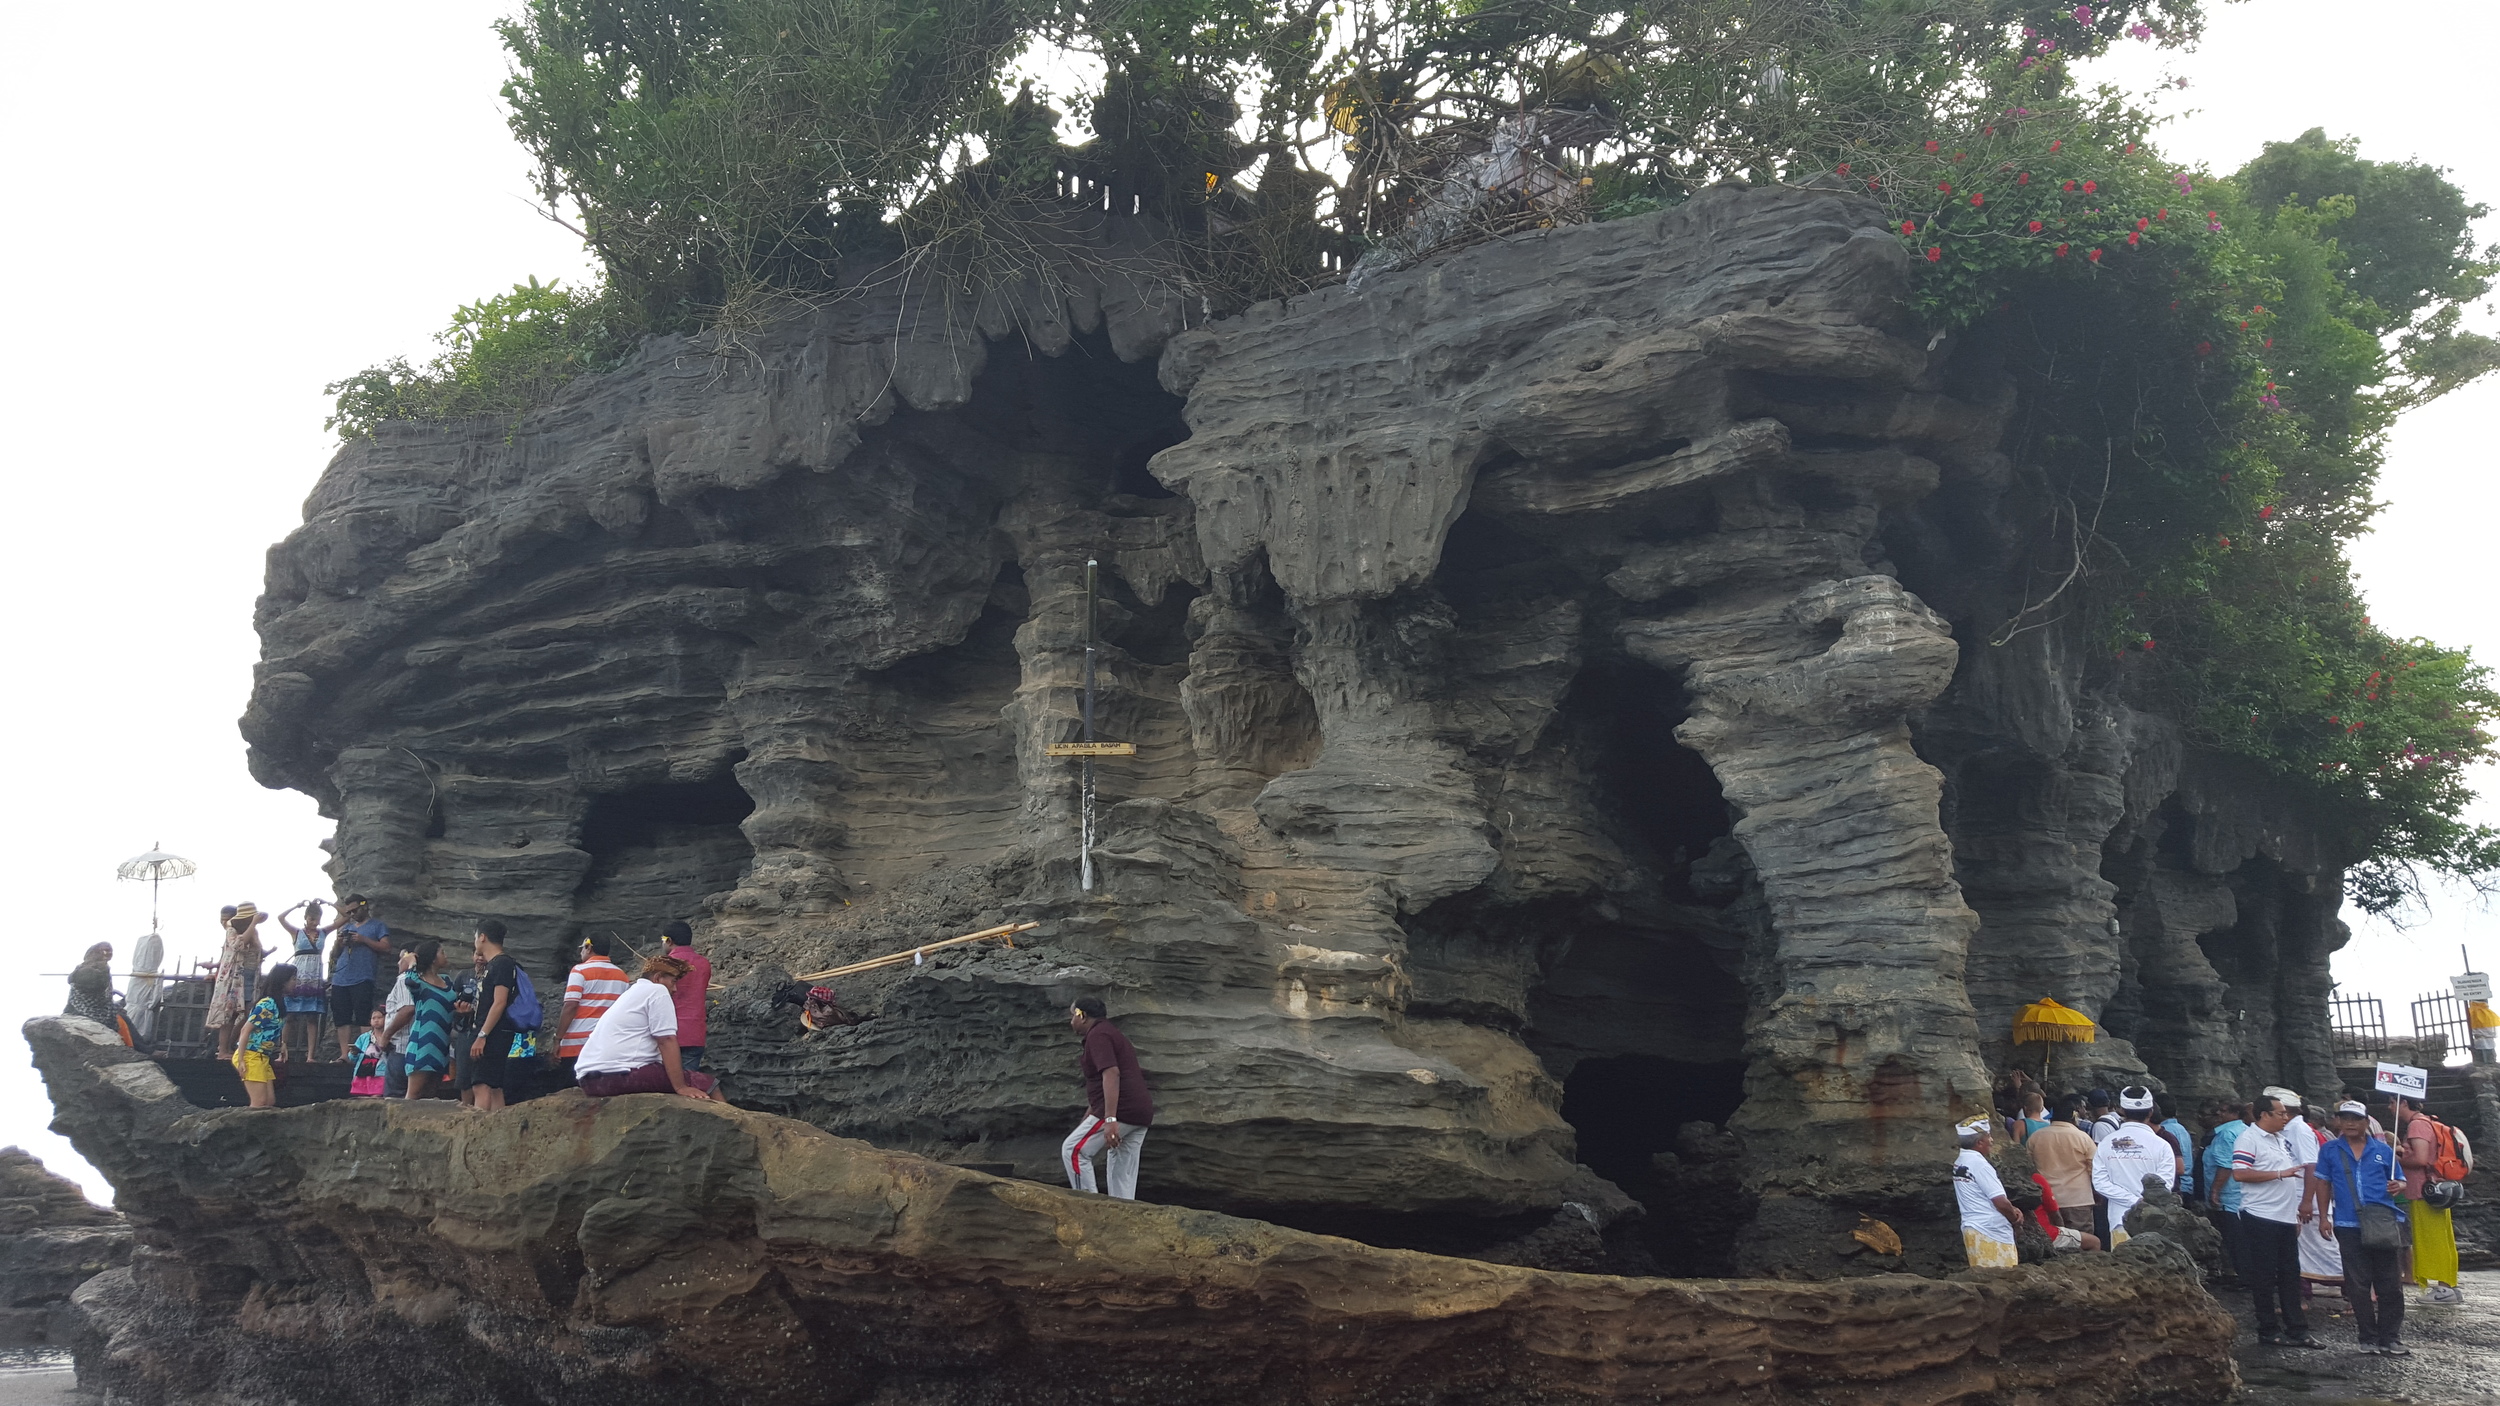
(2404, 1081)
(2473, 986)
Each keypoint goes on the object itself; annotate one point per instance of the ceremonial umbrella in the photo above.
(2045, 1022)
(154, 868)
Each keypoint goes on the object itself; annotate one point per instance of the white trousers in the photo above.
(1119, 1164)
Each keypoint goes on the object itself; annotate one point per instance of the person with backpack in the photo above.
(2430, 1151)
(507, 1023)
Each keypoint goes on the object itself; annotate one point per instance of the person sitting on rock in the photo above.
(1113, 1084)
(1989, 1220)
(2126, 1157)
(633, 1048)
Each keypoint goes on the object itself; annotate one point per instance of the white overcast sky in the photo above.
(213, 210)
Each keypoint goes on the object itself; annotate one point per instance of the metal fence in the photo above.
(2439, 1025)
(2358, 1026)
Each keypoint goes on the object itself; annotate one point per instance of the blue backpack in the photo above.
(525, 1013)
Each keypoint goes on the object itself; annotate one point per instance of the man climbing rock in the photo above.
(1118, 1105)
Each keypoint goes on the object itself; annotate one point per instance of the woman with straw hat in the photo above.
(238, 977)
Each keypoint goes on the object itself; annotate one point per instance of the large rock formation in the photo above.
(580, 1252)
(1566, 711)
(52, 1239)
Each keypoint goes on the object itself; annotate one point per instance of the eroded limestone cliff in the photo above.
(649, 1250)
(1567, 731)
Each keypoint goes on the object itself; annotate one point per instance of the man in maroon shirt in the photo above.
(1118, 1105)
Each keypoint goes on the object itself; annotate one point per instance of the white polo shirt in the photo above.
(2262, 1151)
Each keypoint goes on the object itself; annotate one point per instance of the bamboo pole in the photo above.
(1005, 932)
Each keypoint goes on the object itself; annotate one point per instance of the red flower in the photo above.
(2024, 179)
(2061, 250)
(2243, 324)
(2161, 214)
(1945, 186)
(1844, 168)
(1935, 146)
(2070, 185)
(2056, 144)
(1874, 184)
(2094, 256)
(1960, 154)
(2132, 238)
(2091, 186)
(2130, 149)
(2143, 224)
(2034, 226)
(1978, 198)
(1935, 253)
(2148, 646)
(1909, 227)
(2226, 543)
(2207, 349)
(2265, 514)
(2269, 344)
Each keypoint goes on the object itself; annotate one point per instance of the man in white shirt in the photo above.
(633, 1049)
(395, 1055)
(2100, 1120)
(2274, 1183)
(2134, 1151)
(1988, 1218)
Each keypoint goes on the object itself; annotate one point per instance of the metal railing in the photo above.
(2439, 1025)
(2357, 1025)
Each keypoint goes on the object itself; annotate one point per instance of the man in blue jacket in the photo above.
(2357, 1170)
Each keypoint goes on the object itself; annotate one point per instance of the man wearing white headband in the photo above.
(2126, 1157)
(1988, 1218)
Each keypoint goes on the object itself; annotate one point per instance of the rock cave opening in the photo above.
(657, 851)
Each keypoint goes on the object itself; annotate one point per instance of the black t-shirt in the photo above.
(500, 971)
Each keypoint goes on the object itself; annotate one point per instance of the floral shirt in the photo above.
(263, 1026)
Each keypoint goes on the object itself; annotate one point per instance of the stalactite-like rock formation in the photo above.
(1568, 733)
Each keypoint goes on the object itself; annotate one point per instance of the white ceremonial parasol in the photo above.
(154, 868)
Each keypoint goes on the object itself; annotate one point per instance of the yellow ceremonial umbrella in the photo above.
(2045, 1022)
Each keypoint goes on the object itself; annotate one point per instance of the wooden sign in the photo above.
(1090, 749)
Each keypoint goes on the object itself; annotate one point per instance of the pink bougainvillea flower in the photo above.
(2048, 46)
(2214, 225)
(1935, 253)
(2186, 186)
(1909, 227)
(2034, 227)
(2028, 62)
(2090, 186)
(2139, 31)
(1978, 198)
(2083, 14)
(1935, 146)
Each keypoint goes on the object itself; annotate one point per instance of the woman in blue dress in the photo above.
(428, 1019)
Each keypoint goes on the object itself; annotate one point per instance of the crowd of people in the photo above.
(2357, 1196)
(428, 1030)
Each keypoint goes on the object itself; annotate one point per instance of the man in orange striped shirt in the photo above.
(594, 986)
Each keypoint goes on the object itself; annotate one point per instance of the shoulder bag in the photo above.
(2381, 1227)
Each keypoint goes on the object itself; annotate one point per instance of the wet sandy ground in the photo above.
(39, 1379)
(2455, 1361)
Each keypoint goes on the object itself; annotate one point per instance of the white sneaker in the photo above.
(2444, 1293)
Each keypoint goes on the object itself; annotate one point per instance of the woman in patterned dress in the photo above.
(91, 988)
(310, 1000)
(264, 1033)
(238, 976)
(428, 1017)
